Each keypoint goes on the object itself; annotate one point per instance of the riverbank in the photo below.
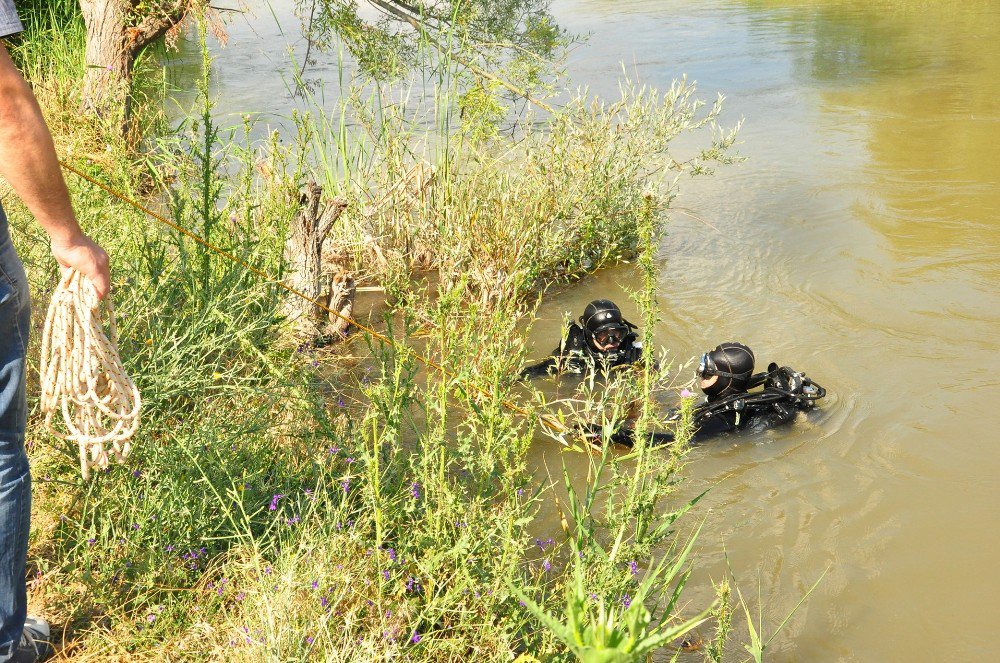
(275, 510)
(861, 232)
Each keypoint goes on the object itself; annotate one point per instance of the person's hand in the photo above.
(87, 257)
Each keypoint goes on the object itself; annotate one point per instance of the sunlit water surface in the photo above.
(860, 242)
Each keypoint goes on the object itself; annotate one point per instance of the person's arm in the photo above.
(28, 161)
(543, 368)
(565, 357)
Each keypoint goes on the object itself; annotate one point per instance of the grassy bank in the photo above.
(293, 503)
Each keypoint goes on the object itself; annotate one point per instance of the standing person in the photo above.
(28, 162)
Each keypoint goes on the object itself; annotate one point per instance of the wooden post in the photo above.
(304, 253)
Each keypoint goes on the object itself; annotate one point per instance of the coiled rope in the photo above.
(82, 375)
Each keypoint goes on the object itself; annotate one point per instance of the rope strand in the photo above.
(82, 375)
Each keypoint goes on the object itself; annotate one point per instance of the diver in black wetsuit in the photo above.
(727, 379)
(602, 338)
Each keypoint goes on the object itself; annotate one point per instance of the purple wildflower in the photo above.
(392, 554)
(415, 638)
(385, 574)
(547, 566)
(315, 584)
(626, 601)
(346, 485)
(415, 490)
(274, 502)
(542, 544)
(633, 567)
(150, 618)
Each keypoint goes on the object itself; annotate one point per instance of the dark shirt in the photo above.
(574, 355)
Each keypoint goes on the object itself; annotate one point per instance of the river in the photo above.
(860, 242)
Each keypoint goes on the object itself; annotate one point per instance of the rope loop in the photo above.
(82, 375)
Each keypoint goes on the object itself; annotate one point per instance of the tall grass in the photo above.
(551, 202)
(280, 509)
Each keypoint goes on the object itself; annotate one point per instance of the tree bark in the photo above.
(304, 253)
(108, 79)
(341, 300)
(117, 31)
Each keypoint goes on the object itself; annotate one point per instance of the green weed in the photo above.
(287, 503)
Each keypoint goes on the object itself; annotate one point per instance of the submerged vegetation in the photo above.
(291, 502)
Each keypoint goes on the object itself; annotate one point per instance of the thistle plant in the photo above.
(640, 620)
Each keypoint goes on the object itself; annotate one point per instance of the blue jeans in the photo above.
(15, 480)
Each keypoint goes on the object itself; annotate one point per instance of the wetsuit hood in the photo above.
(733, 364)
(599, 315)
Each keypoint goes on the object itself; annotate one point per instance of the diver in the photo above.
(601, 339)
(733, 401)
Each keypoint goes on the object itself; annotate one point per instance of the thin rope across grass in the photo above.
(547, 422)
(82, 375)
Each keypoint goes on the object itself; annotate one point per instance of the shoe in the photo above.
(34, 645)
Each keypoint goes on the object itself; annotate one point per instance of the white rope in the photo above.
(82, 375)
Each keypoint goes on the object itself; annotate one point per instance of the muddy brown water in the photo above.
(860, 242)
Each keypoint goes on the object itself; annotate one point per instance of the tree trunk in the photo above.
(341, 301)
(117, 31)
(109, 56)
(304, 253)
